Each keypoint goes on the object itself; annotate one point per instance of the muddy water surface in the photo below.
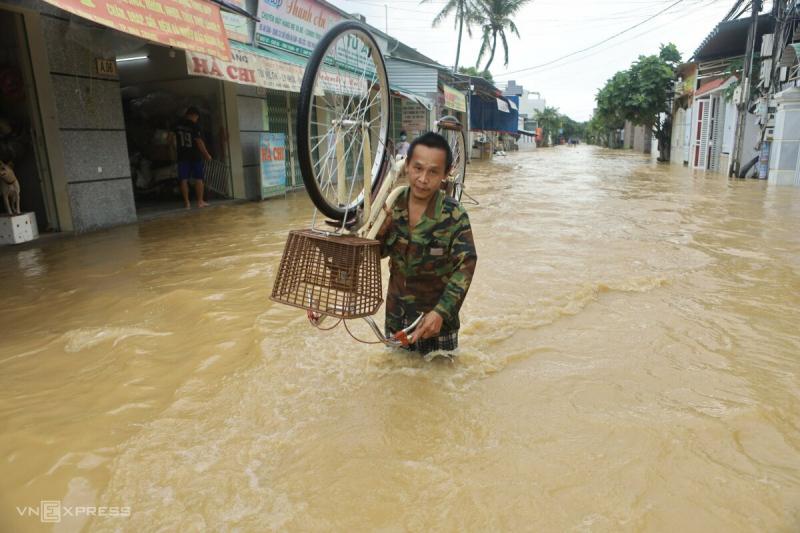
(630, 361)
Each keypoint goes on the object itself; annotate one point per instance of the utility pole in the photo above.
(747, 70)
(780, 10)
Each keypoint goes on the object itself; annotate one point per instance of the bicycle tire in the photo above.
(305, 111)
(451, 129)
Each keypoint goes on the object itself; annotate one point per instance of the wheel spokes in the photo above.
(346, 107)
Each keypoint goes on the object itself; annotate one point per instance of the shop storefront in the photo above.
(411, 114)
(21, 142)
(265, 85)
(76, 168)
(156, 90)
(88, 102)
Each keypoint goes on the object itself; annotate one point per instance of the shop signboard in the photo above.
(194, 25)
(273, 164)
(237, 27)
(454, 99)
(293, 25)
(247, 68)
(415, 118)
(250, 68)
(297, 26)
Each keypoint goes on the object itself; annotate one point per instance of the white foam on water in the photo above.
(77, 340)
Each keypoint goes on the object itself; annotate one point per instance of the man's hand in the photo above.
(429, 327)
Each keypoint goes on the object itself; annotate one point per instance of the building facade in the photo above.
(87, 110)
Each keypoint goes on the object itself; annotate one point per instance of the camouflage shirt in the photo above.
(431, 268)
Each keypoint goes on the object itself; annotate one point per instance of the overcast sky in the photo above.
(553, 28)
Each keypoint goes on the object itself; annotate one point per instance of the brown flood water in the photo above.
(630, 361)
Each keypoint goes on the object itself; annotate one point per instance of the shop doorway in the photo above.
(156, 91)
(21, 141)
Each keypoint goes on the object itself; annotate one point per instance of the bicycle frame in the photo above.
(372, 220)
(373, 215)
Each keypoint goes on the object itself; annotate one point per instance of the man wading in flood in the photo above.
(432, 256)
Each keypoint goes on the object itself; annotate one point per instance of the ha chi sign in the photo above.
(247, 68)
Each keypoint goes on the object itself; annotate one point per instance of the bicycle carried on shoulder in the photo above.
(343, 123)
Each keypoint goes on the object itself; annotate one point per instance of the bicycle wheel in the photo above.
(450, 128)
(343, 119)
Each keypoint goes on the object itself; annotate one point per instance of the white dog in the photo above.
(9, 187)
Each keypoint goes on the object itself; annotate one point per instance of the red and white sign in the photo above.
(247, 68)
(194, 25)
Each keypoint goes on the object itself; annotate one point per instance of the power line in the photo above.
(626, 30)
(668, 23)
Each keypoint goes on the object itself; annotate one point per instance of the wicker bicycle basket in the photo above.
(338, 276)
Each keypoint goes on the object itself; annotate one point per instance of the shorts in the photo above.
(190, 170)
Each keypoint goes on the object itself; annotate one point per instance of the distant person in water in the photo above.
(191, 154)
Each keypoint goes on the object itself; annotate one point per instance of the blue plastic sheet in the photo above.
(484, 114)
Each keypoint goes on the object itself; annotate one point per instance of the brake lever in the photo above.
(400, 338)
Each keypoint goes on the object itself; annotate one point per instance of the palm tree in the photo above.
(464, 11)
(550, 120)
(495, 18)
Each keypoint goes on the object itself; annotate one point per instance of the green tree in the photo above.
(465, 13)
(549, 119)
(611, 109)
(598, 133)
(472, 71)
(572, 129)
(495, 18)
(642, 94)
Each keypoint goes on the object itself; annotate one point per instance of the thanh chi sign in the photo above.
(194, 25)
(293, 25)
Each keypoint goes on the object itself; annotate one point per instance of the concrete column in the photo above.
(783, 160)
(229, 96)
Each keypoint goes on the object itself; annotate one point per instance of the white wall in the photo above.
(730, 127)
(677, 138)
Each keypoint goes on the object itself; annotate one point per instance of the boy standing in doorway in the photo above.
(191, 154)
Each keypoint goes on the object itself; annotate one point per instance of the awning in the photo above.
(408, 95)
(485, 114)
(729, 38)
(526, 132)
(194, 25)
(714, 86)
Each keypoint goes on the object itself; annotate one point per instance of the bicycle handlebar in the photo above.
(400, 338)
